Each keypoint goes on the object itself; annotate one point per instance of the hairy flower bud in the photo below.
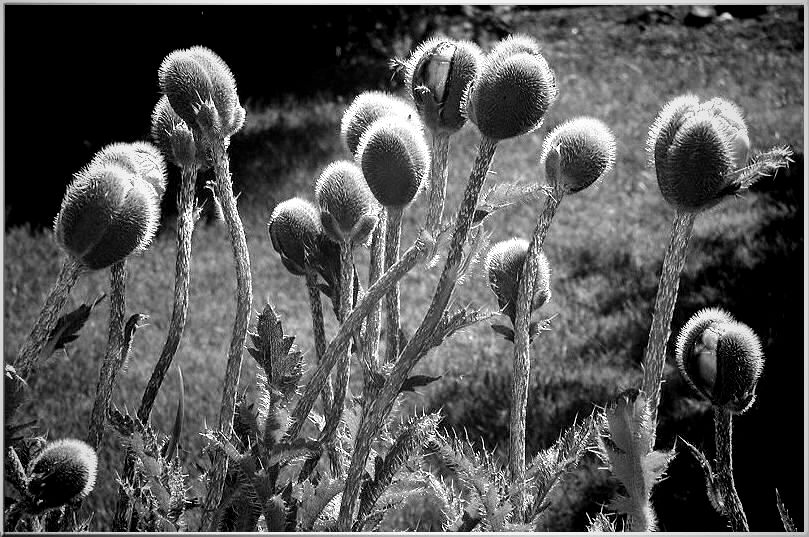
(586, 152)
(504, 264)
(366, 108)
(107, 213)
(437, 75)
(395, 160)
(295, 232)
(514, 90)
(174, 138)
(696, 149)
(140, 158)
(720, 358)
(65, 470)
(347, 207)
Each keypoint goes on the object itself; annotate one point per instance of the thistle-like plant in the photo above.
(700, 153)
(202, 91)
(722, 360)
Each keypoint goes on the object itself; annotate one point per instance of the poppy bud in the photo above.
(586, 152)
(504, 264)
(348, 209)
(366, 108)
(64, 471)
(294, 229)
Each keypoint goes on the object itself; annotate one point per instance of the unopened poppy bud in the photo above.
(504, 265)
(366, 108)
(295, 230)
(586, 152)
(64, 471)
(174, 138)
(348, 209)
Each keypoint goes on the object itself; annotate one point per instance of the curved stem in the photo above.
(113, 359)
(438, 180)
(412, 352)
(223, 189)
(723, 436)
(182, 277)
(655, 356)
(393, 237)
(316, 306)
(522, 349)
(31, 348)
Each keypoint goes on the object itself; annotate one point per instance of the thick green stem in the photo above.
(723, 436)
(318, 330)
(223, 189)
(32, 346)
(522, 349)
(438, 181)
(654, 359)
(374, 417)
(393, 237)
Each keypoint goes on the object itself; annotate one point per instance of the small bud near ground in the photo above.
(504, 265)
(721, 359)
(295, 230)
(65, 470)
(366, 108)
(348, 209)
(586, 153)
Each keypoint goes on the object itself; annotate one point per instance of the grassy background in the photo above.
(605, 248)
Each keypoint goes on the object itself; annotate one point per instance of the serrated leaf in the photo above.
(504, 195)
(275, 353)
(417, 381)
(68, 326)
(786, 520)
(711, 485)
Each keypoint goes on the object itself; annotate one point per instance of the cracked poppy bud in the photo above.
(586, 152)
(513, 91)
(696, 149)
(437, 75)
(721, 359)
(395, 160)
(202, 90)
(141, 158)
(107, 213)
(174, 138)
(295, 231)
(504, 264)
(64, 471)
(347, 207)
(366, 108)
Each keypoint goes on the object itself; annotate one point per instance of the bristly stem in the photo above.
(316, 306)
(113, 358)
(373, 418)
(522, 348)
(375, 270)
(654, 358)
(182, 277)
(32, 346)
(438, 181)
(723, 436)
(392, 239)
(223, 189)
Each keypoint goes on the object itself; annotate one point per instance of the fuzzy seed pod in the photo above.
(395, 160)
(586, 152)
(202, 90)
(107, 213)
(696, 148)
(174, 138)
(514, 90)
(65, 470)
(504, 264)
(295, 231)
(366, 108)
(721, 359)
(347, 207)
(437, 75)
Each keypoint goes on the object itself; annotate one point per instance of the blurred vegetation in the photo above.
(620, 64)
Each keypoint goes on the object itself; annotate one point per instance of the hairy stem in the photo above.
(32, 346)
(223, 190)
(723, 436)
(522, 349)
(411, 257)
(318, 330)
(438, 180)
(393, 237)
(377, 267)
(655, 356)
(113, 358)
(372, 420)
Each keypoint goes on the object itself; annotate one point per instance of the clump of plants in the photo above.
(304, 452)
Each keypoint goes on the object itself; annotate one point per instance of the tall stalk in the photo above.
(439, 170)
(392, 300)
(318, 329)
(723, 435)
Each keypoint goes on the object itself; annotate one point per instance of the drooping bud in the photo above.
(107, 213)
(295, 232)
(395, 160)
(504, 264)
(366, 108)
(696, 149)
(721, 359)
(586, 152)
(174, 138)
(437, 75)
(514, 90)
(64, 471)
(348, 211)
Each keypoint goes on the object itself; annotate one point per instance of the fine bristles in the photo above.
(186, 84)
(688, 361)
(417, 56)
(294, 229)
(366, 108)
(515, 44)
(504, 264)
(65, 470)
(342, 193)
(225, 95)
(586, 149)
(665, 125)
